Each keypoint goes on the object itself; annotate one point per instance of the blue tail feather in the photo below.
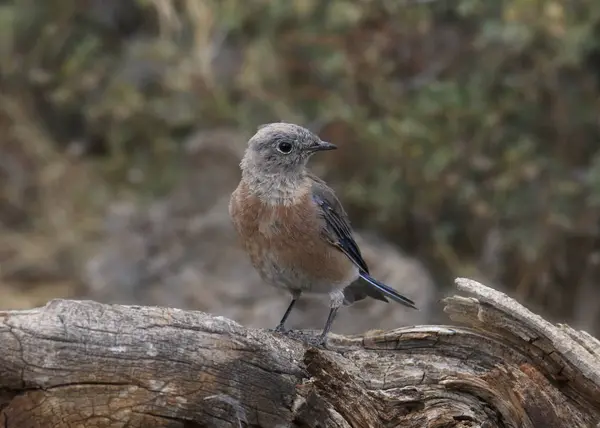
(388, 291)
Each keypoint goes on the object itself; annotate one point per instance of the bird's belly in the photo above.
(322, 277)
(286, 246)
(301, 262)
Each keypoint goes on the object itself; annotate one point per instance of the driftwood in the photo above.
(85, 364)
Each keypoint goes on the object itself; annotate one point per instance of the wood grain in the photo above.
(86, 364)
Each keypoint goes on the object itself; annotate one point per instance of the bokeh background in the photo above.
(468, 131)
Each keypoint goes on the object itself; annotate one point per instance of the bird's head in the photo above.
(282, 148)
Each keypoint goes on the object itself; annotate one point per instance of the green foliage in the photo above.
(458, 117)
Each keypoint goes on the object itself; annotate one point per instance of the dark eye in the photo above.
(284, 147)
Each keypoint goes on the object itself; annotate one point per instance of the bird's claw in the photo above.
(281, 329)
(318, 342)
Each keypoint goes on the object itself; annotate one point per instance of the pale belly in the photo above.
(333, 271)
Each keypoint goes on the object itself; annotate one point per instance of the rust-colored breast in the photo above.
(284, 241)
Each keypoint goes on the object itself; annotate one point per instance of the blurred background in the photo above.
(468, 131)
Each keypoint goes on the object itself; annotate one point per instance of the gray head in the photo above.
(282, 148)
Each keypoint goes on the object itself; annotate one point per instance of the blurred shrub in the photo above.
(469, 128)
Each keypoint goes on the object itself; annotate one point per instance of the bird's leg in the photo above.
(280, 327)
(328, 324)
(337, 300)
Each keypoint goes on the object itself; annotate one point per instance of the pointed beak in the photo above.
(322, 146)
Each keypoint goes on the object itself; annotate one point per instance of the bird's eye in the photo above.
(284, 147)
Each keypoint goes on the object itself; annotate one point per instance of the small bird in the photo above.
(294, 228)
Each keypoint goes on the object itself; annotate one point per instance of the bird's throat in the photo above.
(277, 189)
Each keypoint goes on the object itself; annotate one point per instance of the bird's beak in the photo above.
(322, 146)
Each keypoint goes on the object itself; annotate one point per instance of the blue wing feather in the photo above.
(388, 291)
(339, 234)
(342, 232)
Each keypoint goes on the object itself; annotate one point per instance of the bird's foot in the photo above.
(280, 329)
(317, 342)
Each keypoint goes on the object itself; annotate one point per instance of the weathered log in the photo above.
(86, 364)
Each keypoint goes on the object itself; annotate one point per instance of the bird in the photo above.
(293, 227)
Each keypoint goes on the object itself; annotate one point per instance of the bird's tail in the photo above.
(388, 291)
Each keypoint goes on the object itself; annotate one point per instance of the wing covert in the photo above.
(337, 230)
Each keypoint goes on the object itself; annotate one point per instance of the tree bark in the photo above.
(86, 364)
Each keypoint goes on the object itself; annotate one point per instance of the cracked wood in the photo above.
(86, 364)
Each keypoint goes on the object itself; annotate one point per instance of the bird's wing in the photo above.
(337, 230)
